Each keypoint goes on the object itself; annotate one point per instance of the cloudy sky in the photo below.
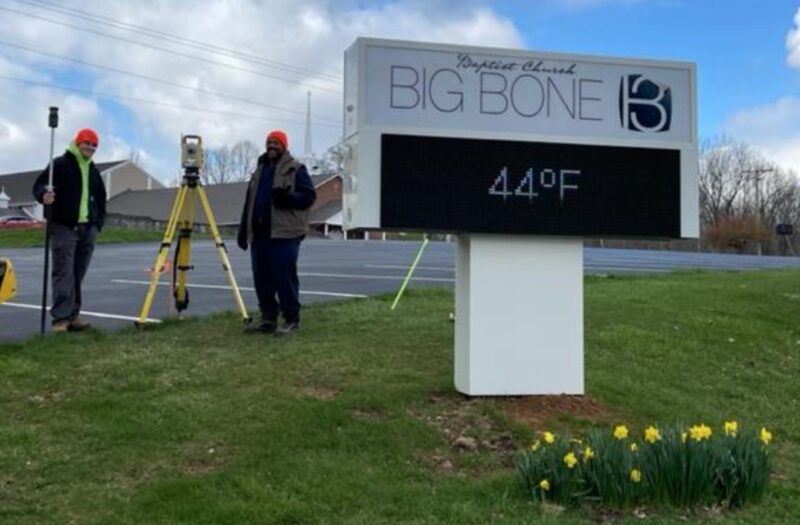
(144, 72)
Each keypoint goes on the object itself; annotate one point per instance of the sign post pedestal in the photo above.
(524, 153)
(519, 315)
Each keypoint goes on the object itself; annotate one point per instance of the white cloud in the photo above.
(793, 42)
(310, 34)
(773, 128)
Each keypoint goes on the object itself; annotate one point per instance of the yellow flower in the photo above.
(651, 434)
(634, 447)
(544, 485)
(535, 446)
(700, 432)
(731, 427)
(570, 460)
(588, 453)
(620, 432)
(684, 435)
(765, 435)
(636, 475)
(549, 437)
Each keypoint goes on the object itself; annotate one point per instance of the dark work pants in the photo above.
(274, 263)
(72, 252)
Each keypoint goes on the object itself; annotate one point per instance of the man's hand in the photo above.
(282, 198)
(49, 197)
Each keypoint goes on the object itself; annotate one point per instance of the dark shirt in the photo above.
(68, 187)
(262, 206)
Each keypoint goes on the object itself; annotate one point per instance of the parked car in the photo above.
(20, 221)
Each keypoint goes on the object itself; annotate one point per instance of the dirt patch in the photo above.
(603, 515)
(205, 459)
(478, 434)
(321, 393)
(367, 414)
(202, 467)
(439, 463)
(47, 397)
(467, 428)
(537, 411)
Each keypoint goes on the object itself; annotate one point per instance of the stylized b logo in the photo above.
(644, 105)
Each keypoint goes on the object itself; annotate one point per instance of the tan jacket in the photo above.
(285, 223)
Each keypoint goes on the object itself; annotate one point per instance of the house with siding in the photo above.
(118, 176)
(152, 208)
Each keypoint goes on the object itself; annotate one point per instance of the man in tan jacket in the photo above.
(274, 222)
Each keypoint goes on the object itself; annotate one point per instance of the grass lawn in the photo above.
(355, 420)
(26, 238)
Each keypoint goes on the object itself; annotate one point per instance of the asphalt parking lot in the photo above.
(330, 270)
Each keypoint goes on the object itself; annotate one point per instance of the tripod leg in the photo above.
(163, 252)
(223, 254)
(183, 253)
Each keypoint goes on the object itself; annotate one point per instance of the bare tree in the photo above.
(743, 196)
(726, 176)
(216, 167)
(225, 164)
(244, 157)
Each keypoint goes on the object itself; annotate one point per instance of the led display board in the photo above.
(499, 186)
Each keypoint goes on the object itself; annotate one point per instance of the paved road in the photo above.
(329, 270)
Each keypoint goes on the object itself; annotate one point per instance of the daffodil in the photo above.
(765, 435)
(549, 437)
(652, 434)
(570, 460)
(700, 432)
(544, 485)
(731, 427)
(634, 447)
(588, 453)
(684, 435)
(535, 446)
(620, 432)
(636, 475)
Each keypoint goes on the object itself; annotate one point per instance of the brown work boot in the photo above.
(60, 327)
(78, 324)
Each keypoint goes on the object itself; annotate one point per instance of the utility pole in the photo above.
(307, 148)
(758, 172)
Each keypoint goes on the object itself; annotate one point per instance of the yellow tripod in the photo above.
(182, 215)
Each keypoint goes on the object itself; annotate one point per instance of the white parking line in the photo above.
(85, 312)
(390, 267)
(382, 277)
(245, 288)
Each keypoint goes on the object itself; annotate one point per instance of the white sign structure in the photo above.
(574, 125)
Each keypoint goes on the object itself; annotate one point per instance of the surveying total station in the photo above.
(181, 220)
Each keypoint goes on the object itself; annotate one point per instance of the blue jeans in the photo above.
(274, 263)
